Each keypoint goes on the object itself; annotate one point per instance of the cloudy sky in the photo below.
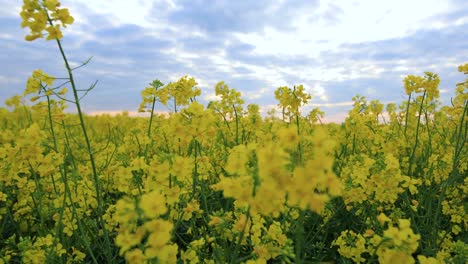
(336, 49)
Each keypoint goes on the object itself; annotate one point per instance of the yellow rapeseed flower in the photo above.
(54, 32)
(44, 15)
(153, 204)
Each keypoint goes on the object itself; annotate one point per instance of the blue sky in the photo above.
(336, 49)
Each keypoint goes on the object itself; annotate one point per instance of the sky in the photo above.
(336, 49)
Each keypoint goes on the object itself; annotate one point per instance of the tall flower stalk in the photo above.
(47, 16)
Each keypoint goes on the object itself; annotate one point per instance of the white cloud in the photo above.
(367, 20)
(210, 97)
(371, 91)
(119, 11)
(10, 8)
(361, 21)
(252, 95)
(331, 50)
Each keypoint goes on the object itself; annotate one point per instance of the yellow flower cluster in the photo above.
(230, 103)
(377, 182)
(351, 245)
(395, 245)
(151, 94)
(290, 100)
(267, 186)
(182, 92)
(40, 16)
(427, 84)
(140, 222)
(40, 250)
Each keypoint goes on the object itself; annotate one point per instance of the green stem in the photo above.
(299, 147)
(459, 135)
(241, 236)
(299, 237)
(67, 193)
(88, 144)
(410, 165)
(83, 128)
(407, 113)
(149, 126)
(151, 116)
(54, 138)
(237, 124)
